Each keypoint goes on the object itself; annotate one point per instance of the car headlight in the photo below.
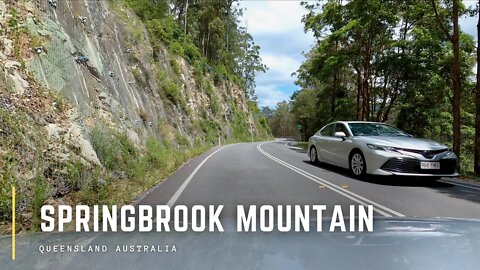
(382, 147)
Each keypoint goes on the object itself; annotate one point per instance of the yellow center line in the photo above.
(13, 223)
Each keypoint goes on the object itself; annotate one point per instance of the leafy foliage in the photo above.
(207, 31)
(387, 61)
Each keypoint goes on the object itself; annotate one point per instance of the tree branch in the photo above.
(439, 20)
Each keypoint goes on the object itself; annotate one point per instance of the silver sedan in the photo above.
(380, 149)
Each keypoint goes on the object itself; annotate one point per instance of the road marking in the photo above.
(383, 210)
(292, 147)
(177, 194)
(13, 223)
(457, 184)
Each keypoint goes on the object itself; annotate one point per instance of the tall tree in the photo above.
(476, 166)
(455, 40)
(250, 62)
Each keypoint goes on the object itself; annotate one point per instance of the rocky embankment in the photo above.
(77, 76)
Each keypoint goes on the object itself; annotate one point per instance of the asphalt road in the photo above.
(272, 173)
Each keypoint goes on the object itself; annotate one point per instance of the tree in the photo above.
(476, 165)
(456, 79)
(393, 61)
(281, 120)
(304, 110)
(250, 62)
(208, 28)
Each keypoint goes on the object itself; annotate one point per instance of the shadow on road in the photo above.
(384, 180)
(440, 187)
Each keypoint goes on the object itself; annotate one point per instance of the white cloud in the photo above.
(276, 26)
(280, 68)
(273, 16)
(268, 95)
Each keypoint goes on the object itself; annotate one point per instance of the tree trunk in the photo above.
(456, 81)
(384, 101)
(185, 17)
(334, 94)
(476, 166)
(456, 72)
(359, 92)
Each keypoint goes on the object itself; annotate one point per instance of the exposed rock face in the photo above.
(99, 57)
(85, 65)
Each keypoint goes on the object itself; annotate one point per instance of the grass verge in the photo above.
(138, 170)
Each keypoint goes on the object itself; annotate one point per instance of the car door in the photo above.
(323, 143)
(339, 148)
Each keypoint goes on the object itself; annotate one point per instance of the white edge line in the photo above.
(180, 190)
(457, 184)
(353, 196)
(292, 147)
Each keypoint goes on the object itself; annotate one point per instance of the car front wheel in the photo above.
(358, 166)
(313, 155)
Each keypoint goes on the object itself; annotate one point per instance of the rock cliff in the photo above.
(72, 70)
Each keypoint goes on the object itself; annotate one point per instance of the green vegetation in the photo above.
(40, 194)
(113, 149)
(206, 34)
(18, 141)
(175, 66)
(171, 89)
(281, 120)
(395, 63)
(6, 184)
(144, 170)
(222, 55)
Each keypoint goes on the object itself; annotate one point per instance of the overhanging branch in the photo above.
(440, 22)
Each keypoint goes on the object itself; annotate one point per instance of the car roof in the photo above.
(367, 122)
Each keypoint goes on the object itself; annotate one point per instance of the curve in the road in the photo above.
(381, 209)
(177, 194)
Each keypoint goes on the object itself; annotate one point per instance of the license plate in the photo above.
(430, 165)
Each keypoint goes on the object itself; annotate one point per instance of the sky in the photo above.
(276, 26)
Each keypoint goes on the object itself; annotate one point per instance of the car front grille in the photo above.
(425, 153)
(410, 165)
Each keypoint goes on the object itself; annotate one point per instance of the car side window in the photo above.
(341, 128)
(328, 130)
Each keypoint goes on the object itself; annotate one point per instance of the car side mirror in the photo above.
(340, 134)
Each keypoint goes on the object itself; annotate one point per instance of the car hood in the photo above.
(402, 142)
(395, 243)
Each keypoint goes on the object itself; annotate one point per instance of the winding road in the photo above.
(274, 173)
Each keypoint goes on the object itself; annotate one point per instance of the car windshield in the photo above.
(375, 129)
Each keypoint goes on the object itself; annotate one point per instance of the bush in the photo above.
(172, 90)
(6, 197)
(181, 139)
(220, 74)
(156, 154)
(175, 67)
(93, 192)
(40, 194)
(211, 130)
(177, 48)
(164, 30)
(75, 171)
(192, 53)
(114, 150)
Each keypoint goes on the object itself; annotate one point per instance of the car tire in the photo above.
(313, 155)
(358, 165)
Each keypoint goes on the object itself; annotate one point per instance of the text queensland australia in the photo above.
(199, 218)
